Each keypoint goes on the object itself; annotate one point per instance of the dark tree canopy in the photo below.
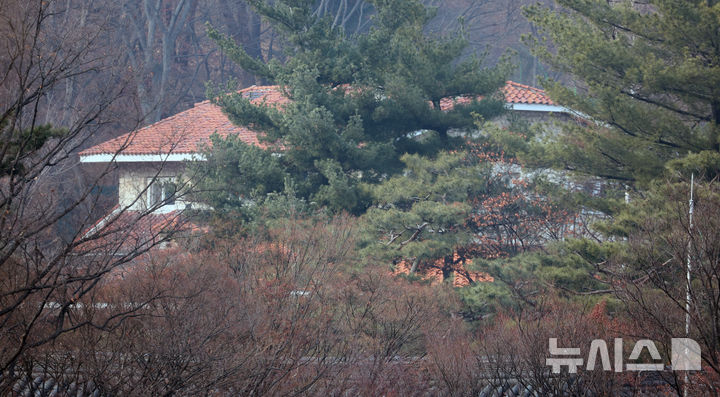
(648, 76)
(644, 78)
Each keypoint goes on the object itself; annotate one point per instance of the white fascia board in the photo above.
(537, 107)
(140, 158)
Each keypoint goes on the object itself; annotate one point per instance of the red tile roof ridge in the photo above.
(527, 87)
(170, 118)
(260, 87)
(97, 223)
(251, 88)
(524, 85)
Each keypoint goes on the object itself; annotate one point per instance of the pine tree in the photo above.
(229, 161)
(359, 102)
(19, 145)
(646, 83)
(459, 213)
(648, 77)
(421, 215)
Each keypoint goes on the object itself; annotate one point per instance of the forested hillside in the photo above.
(315, 197)
(161, 51)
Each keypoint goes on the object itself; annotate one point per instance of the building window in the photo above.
(161, 192)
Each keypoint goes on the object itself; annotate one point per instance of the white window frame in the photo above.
(161, 183)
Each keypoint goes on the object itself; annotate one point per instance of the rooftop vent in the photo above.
(251, 95)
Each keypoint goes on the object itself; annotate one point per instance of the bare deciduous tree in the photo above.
(49, 283)
(653, 281)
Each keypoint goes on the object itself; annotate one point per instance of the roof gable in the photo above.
(188, 131)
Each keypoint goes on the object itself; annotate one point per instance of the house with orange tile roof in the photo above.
(151, 160)
(518, 97)
(526, 102)
(533, 105)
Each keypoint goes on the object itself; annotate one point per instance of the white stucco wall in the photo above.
(134, 178)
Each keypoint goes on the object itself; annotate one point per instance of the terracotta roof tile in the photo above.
(188, 131)
(124, 231)
(514, 93)
(521, 93)
(434, 275)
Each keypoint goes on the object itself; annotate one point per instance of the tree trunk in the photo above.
(716, 120)
(414, 266)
